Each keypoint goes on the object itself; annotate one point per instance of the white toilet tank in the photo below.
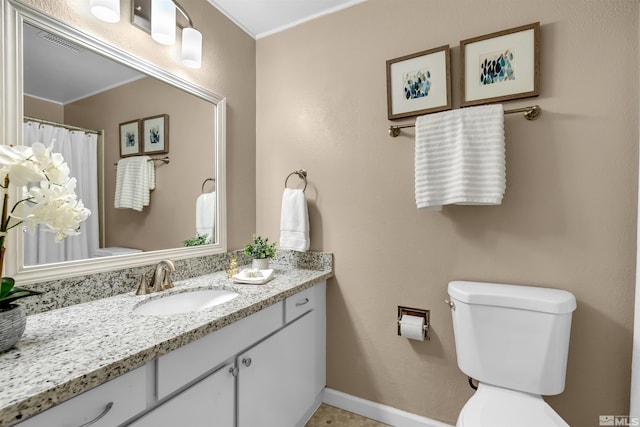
(512, 336)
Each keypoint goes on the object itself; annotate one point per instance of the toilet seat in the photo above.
(493, 406)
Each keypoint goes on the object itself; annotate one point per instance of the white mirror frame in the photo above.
(13, 14)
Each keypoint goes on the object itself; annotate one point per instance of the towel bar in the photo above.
(302, 174)
(530, 113)
(164, 160)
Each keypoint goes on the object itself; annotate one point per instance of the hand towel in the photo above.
(460, 157)
(206, 214)
(294, 221)
(135, 178)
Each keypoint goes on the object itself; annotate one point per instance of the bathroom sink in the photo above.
(185, 302)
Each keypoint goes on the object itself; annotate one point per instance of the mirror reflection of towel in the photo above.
(206, 214)
(294, 221)
(134, 180)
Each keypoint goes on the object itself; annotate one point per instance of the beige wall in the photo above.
(228, 69)
(178, 184)
(45, 110)
(567, 220)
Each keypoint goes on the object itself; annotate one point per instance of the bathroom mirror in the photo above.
(191, 163)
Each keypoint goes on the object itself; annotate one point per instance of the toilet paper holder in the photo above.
(419, 312)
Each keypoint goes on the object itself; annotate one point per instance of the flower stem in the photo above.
(4, 221)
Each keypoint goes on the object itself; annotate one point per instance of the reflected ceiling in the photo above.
(59, 71)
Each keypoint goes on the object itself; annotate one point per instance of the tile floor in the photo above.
(330, 416)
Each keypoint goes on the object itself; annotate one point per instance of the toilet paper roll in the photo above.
(412, 327)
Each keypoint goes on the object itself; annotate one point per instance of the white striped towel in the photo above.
(460, 157)
(134, 180)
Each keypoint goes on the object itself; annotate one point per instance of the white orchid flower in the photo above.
(52, 202)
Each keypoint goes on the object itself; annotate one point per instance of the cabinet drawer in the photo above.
(126, 396)
(187, 363)
(299, 304)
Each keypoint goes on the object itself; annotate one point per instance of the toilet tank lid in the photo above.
(533, 298)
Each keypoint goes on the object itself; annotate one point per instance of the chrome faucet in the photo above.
(161, 279)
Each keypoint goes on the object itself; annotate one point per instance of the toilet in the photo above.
(114, 250)
(514, 340)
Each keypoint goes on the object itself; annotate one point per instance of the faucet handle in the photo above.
(143, 286)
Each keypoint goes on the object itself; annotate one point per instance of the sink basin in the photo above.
(185, 302)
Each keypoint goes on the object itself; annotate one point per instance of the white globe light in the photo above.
(191, 48)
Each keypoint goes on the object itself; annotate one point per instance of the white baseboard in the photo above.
(376, 411)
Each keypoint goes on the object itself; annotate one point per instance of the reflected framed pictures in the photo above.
(501, 66)
(419, 83)
(130, 138)
(155, 134)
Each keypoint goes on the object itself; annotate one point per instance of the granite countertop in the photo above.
(68, 351)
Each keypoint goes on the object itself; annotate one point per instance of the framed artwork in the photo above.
(155, 131)
(419, 83)
(501, 66)
(130, 138)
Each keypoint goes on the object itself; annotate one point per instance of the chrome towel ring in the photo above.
(207, 180)
(302, 174)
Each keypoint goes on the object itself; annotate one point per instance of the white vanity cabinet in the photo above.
(266, 370)
(107, 405)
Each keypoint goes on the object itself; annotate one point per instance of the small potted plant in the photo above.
(260, 251)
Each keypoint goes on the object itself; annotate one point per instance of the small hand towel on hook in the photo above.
(460, 157)
(294, 221)
(206, 214)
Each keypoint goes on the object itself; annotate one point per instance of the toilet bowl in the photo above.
(114, 250)
(514, 340)
(501, 407)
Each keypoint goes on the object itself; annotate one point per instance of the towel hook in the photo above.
(302, 174)
(207, 180)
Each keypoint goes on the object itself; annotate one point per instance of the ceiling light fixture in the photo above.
(106, 10)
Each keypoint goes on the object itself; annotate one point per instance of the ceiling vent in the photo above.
(60, 41)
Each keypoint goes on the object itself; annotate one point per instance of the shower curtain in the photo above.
(80, 151)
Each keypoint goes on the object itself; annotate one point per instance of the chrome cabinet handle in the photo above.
(233, 371)
(303, 302)
(246, 361)
(93, 421)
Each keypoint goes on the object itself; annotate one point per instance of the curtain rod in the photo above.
(62, 125)
(530, 113)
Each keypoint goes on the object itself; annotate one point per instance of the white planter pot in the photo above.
(12, 324)
(260, 264)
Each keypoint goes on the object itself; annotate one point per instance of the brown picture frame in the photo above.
(155, 132)
(515, 52)
(406, 96)
(130, 138)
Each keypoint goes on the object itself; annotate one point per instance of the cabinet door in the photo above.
(276, 381)
(209, 402)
